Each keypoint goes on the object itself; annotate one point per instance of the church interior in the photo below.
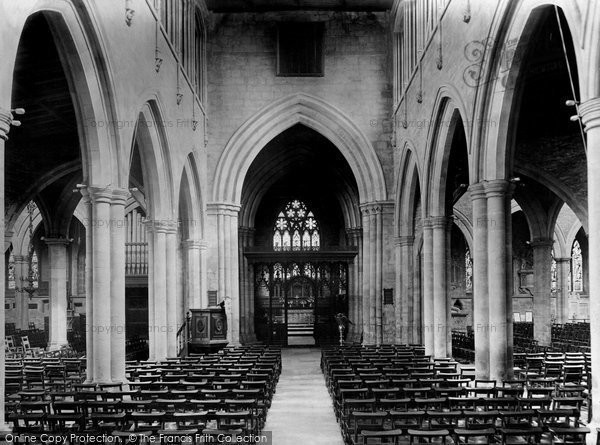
(342, 222)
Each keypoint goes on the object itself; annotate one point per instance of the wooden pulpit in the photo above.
(208, 330)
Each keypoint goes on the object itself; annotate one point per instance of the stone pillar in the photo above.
(228, 265)
(171, 291)
(407, 289)
(355, 289)
(151, 293)
(439, 226)
(542, 264)
(563, 267)
(400, 297)
(373, 271)
(590, 116)
(158, 323)
(57, 262)
(5, 122)
(246, 239)
(202, 275)
(428, 296)
(99, 329)
(417, 298)
(496, 192)
(117, 284)
(191, 253)
(480, 282)
(21, 297)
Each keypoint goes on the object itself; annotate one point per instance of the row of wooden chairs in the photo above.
(441, 390)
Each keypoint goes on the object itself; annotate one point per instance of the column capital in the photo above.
(497, 188)
(97, 195)
(427, 224)
(56, 241)
(375, 207)
(590, 113)
(477, 191)
(120, 196)
(440, 222)
(23, 259)
(6, 119)
(161, 225)
(563, 259)
(542, 242)
(223, 208)
(192, 244)
(354, 232)
(404, 240)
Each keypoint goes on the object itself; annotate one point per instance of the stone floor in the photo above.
(302, 410)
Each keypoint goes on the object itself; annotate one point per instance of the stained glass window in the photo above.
(577, 267)
(468, 271)
(296, 228)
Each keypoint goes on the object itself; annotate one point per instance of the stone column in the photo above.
(417, 298)
(355, 289)
(428, 296)
(171, 291)
(192, 300)
(117, 284)
(158, 265)
(373, 271)
(228, 265)
(496, 192)
(439, 226)
(407, 289)
(99, 329)
(246, 236)
(563, 266)
(21, 297)
(542, 264)
(480, 281)
(202, 275)
(149, 226)
(400, 297)
(5, 122)
(57, 262)
(590, 115)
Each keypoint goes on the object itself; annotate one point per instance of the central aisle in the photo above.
(302, 410)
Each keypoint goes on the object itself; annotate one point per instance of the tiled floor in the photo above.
(302, 410)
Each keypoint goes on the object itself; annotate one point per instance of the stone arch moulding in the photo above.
(315, 113)
(409, 177)
(89, 79)
(496, 96)
(156, 165)
(446, 115)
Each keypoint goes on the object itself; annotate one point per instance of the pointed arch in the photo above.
(447, 118)
(151, 142)
(82, 55)
(406, 189)
(315, 113)
(498, 92)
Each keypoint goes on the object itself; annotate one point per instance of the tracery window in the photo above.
(296, 228)
(576, 267)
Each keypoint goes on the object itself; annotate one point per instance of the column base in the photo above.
(592, 438)
(4, 429)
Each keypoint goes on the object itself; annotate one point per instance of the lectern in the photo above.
(208, 330)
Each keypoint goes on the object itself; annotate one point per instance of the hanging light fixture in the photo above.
(29, 284)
